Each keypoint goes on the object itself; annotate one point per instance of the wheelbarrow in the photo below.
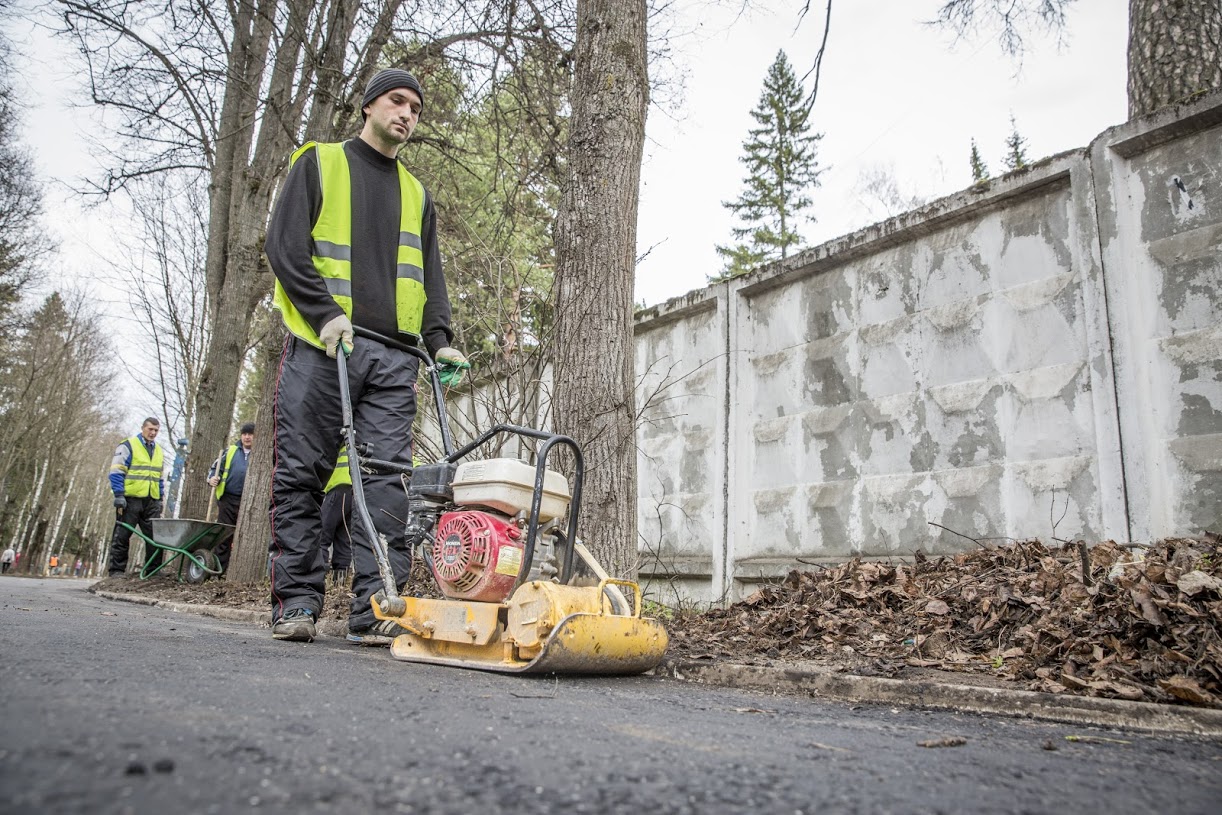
(191, 542)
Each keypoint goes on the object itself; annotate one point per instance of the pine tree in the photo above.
(782, 168)
(980, 170)
(1016, 148)
(740, 259)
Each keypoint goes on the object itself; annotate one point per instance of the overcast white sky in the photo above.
(894, 93)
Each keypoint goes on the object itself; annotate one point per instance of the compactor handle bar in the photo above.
(416, 350)
(452, 455)
(393, 603)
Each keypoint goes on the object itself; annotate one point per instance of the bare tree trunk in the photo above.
(1175, 52)
(98, 547)
(248, 562)
(219, 380)
(31, 543)
(595, 265)
(30, 511)
(59, 520)
(238, 278)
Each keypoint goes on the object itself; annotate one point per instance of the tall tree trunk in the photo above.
(32, 518)
(595, 265)
(56, 542)
(248, 561)
(218, 386)
(98, 545)
(238, 278)
(1175, 52)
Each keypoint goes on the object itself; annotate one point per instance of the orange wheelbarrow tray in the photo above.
(191, 542)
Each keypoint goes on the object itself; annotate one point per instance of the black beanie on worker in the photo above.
(386, 81)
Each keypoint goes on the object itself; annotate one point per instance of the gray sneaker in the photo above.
(297, 625)
(380, 633)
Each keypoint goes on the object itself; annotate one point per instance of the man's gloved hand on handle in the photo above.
(450, 366)
(120, 502)
(335, 332)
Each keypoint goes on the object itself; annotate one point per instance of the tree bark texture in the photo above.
(248, 560)
(595, 266)
(1175, 52)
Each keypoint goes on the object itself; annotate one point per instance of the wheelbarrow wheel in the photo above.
(194, 574)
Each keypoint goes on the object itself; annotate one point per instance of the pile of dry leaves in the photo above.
(1140, 624)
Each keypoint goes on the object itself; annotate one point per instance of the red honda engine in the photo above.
(476, 555)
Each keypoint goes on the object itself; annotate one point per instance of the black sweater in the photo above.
(375, 241)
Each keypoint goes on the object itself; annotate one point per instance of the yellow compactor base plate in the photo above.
(587, 639)
(581, 644)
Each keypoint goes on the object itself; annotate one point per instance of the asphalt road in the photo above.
(111, 708)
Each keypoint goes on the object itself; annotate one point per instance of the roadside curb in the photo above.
(328, 628)
(236, 615)
(828, 684)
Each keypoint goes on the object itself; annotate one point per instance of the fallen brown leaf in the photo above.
(937, 607)
(1187, 689)
(1196, 582)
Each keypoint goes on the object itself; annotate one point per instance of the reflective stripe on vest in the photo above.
(340, 474)
(332, 250)
(220, 487)
(143, 477)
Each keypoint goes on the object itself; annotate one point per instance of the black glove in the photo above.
(120, 502)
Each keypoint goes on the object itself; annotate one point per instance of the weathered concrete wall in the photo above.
(685, 444)
(1038, 358)
(1160, 224)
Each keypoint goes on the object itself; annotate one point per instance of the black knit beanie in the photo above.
(388, 80)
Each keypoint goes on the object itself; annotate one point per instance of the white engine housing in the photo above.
(507, 485)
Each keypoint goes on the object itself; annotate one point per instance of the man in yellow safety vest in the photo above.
(136, 479)
(228, 477)
(352, 241)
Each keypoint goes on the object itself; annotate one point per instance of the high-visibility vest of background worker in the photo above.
(227, 476)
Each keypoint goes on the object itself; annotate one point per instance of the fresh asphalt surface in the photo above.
(111, 707)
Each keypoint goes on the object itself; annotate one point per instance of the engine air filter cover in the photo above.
(476, 556)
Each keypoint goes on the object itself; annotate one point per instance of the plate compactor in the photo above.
(499, 536)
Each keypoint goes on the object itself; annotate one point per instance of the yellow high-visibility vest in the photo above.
(143, 476)
(340, 474)
(332, 251)
(224, 473)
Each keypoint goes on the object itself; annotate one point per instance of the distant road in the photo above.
(117, 708)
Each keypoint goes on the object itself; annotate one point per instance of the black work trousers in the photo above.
(227, 513)
(307, 421)
(139, 513)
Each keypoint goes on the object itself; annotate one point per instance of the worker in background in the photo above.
(6, 560)
(136, 480)
(336, 537)
(228, 476)
(352, 240)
